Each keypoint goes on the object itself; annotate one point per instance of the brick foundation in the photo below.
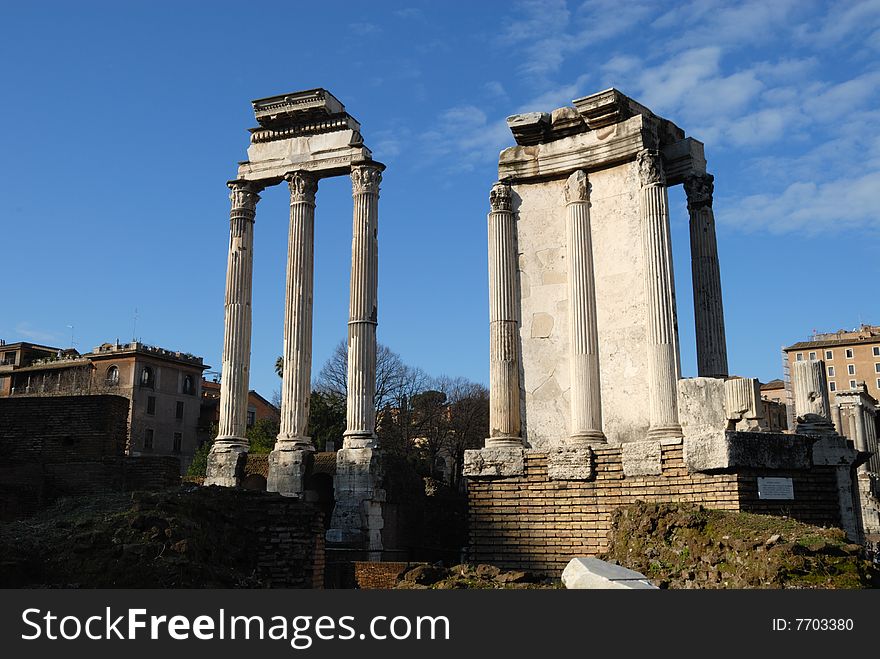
(530, 522)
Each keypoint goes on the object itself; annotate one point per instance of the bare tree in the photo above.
(395, 381)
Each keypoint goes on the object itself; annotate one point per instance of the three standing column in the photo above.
(586, 400)
(504, 358)
(361, 408)
(225, 464)
(708, 308)
(662, 342)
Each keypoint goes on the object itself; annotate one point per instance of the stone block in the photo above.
(571, 464)
(592, 573)
(288, 471)
(492, 462)
(641, 458)
(225, 468)
(759, 450)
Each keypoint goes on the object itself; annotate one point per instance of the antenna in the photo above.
(134, 325)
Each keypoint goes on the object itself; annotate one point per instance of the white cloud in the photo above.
(466, 136)
(364, 28)
(809, 207)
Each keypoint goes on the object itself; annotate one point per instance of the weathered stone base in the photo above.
(493, 462)
(532, 522)
(288, 470)
(226, 465)
(358, 518)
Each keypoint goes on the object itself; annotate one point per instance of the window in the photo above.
(829, 354)
(9, 358)
(877, 367)
(112, 376)
(849, 353)
(877, 351)
(148, 438)
(830, 371)
(151, 404)
(178, 440)
(251, 417)
(188, 385)
(878, 383)
(832, 386)
(179, 413)
(147, 377)
(812, 355)
(799, 356)
(851, 369)
(852, 384)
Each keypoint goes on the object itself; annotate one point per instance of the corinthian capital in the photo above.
(577, 188)
(699, 189)
(500, 197)
(365, 179)
(650, 168)
(244, 195)
(303, 186)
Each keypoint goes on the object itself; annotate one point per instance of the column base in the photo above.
(289, 466)
(586, 438)
(355, 439)
(358, 517)
(293, 443)
(672, 430)
(226, 462)
(504, 441)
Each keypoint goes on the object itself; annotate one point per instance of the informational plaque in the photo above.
(775, 488)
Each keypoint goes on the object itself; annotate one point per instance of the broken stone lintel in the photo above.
(718, 451)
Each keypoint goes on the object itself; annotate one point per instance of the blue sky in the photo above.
(123, 121)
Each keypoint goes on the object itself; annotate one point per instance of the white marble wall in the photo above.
(620, 305)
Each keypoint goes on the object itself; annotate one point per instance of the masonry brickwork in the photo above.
(533, 523)
(70, 446)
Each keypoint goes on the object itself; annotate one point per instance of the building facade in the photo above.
(163, 388)
(850, 356)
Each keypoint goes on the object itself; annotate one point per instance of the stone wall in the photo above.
(620, 305)
(58, 446)
(533, 523)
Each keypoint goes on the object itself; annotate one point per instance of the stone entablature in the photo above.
(583, 246)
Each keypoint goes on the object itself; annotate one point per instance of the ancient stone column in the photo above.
(838, 421)
(287, 462)
(810, 389)
(361, 411)
(659, 291)
(708, 308)
(226, 460)
(586, 399)
(297, 353)
(504, 355)
(860, 432)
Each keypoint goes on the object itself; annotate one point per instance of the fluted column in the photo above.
(297, 353)
(586, 399)
(361, 407)
(662, 330)
(706, 274)
(237, 317)
(810, 389)
(860, 439)
(504, 352)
